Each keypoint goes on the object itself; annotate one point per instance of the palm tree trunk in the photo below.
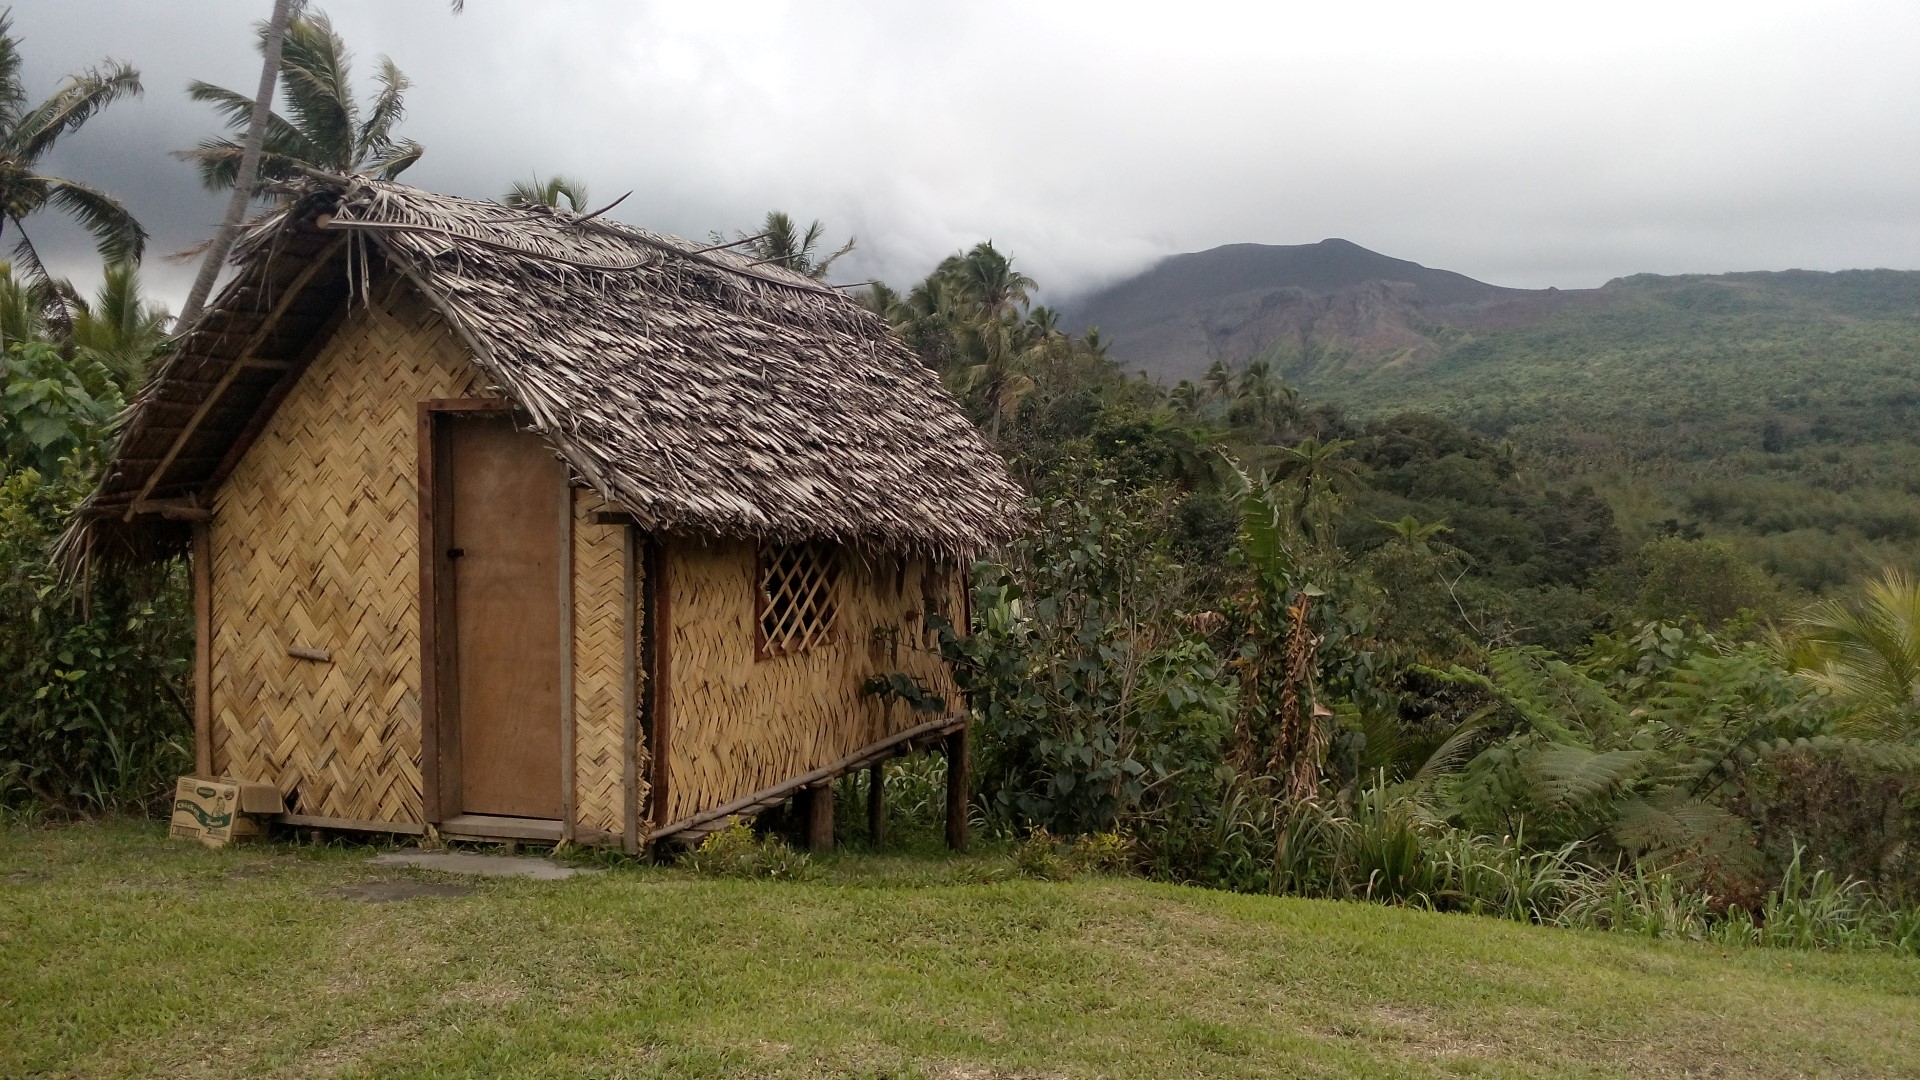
(246, 180)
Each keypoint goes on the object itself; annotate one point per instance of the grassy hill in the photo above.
(1779, 410)
(124, 954)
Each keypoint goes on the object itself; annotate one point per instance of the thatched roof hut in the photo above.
(787, 487)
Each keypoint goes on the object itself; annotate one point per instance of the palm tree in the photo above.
(28, 134)
(548, 192)
(247, 174)
(1218, 381)
(26, 309)
(1185, 396)
(987, 279)
(324, 128)
(120, 328)
(996, 374)
(1868, 654)
(1413, 531)
(781, 242)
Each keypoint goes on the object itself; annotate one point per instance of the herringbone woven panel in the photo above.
(599, 670)
(315, 544)
(740, 724)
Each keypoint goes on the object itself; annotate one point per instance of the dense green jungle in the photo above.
(1778, 411)
(1605, 620)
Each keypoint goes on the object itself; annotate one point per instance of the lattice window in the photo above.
(799, 585)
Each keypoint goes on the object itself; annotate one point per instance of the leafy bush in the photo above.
(93, 713)
(737, 852)
(1095, 703)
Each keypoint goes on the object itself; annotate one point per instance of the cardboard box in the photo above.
(218, 812)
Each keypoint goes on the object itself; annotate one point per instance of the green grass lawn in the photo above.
(125, 954)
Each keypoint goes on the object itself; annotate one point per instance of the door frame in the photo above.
(439, 677)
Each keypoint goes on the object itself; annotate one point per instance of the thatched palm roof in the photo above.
(699, 390)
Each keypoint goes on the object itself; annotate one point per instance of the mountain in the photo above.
(1779, 410)
(1333, 299)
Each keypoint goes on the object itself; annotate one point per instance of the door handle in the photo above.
(454, 553)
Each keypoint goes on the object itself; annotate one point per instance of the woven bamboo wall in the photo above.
(599, 666)
(740, 724)
(314, 541)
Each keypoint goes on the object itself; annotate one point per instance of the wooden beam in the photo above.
(235, 367)
(630, 693)
(957, 779)
(612, 517)
(173, 509)
(567, 779)
(897, 743)
(302, 652)
(202, 568)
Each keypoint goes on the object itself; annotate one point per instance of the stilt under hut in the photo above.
(519, 524)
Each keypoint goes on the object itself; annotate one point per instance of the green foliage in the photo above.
(1772, 411)
(52, 409)
(91, 709)
(1867, 654)
(1095, 704)
(1705, 580)
(735, 852)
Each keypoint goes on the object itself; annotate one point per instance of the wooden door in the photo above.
(505, 555)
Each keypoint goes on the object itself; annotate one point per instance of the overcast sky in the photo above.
(1526, 143)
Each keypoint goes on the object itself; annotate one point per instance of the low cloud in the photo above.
(1524, 144)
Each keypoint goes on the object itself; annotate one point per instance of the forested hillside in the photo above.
(1775, 409)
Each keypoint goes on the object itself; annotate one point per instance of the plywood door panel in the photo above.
(505, 485)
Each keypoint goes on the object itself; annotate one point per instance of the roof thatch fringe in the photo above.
(702, 391)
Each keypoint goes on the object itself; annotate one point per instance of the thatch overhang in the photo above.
(703, 392)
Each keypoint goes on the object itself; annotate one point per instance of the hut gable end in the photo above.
(314, 545)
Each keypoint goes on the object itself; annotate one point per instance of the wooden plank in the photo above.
(234, 368)
(899, 742)
(202, 569)
(399, 828)
(958, 768)
(567, 763)
(499, 827)
(630, 695)
(660, 676)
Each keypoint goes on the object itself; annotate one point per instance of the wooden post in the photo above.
(957, 782)
(876, 804)
(202, 649)
(658, 629)
(819, 813)
(630, 693)
(567, 755)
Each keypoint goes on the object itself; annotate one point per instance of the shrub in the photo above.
(737, 853)
(93, 713)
